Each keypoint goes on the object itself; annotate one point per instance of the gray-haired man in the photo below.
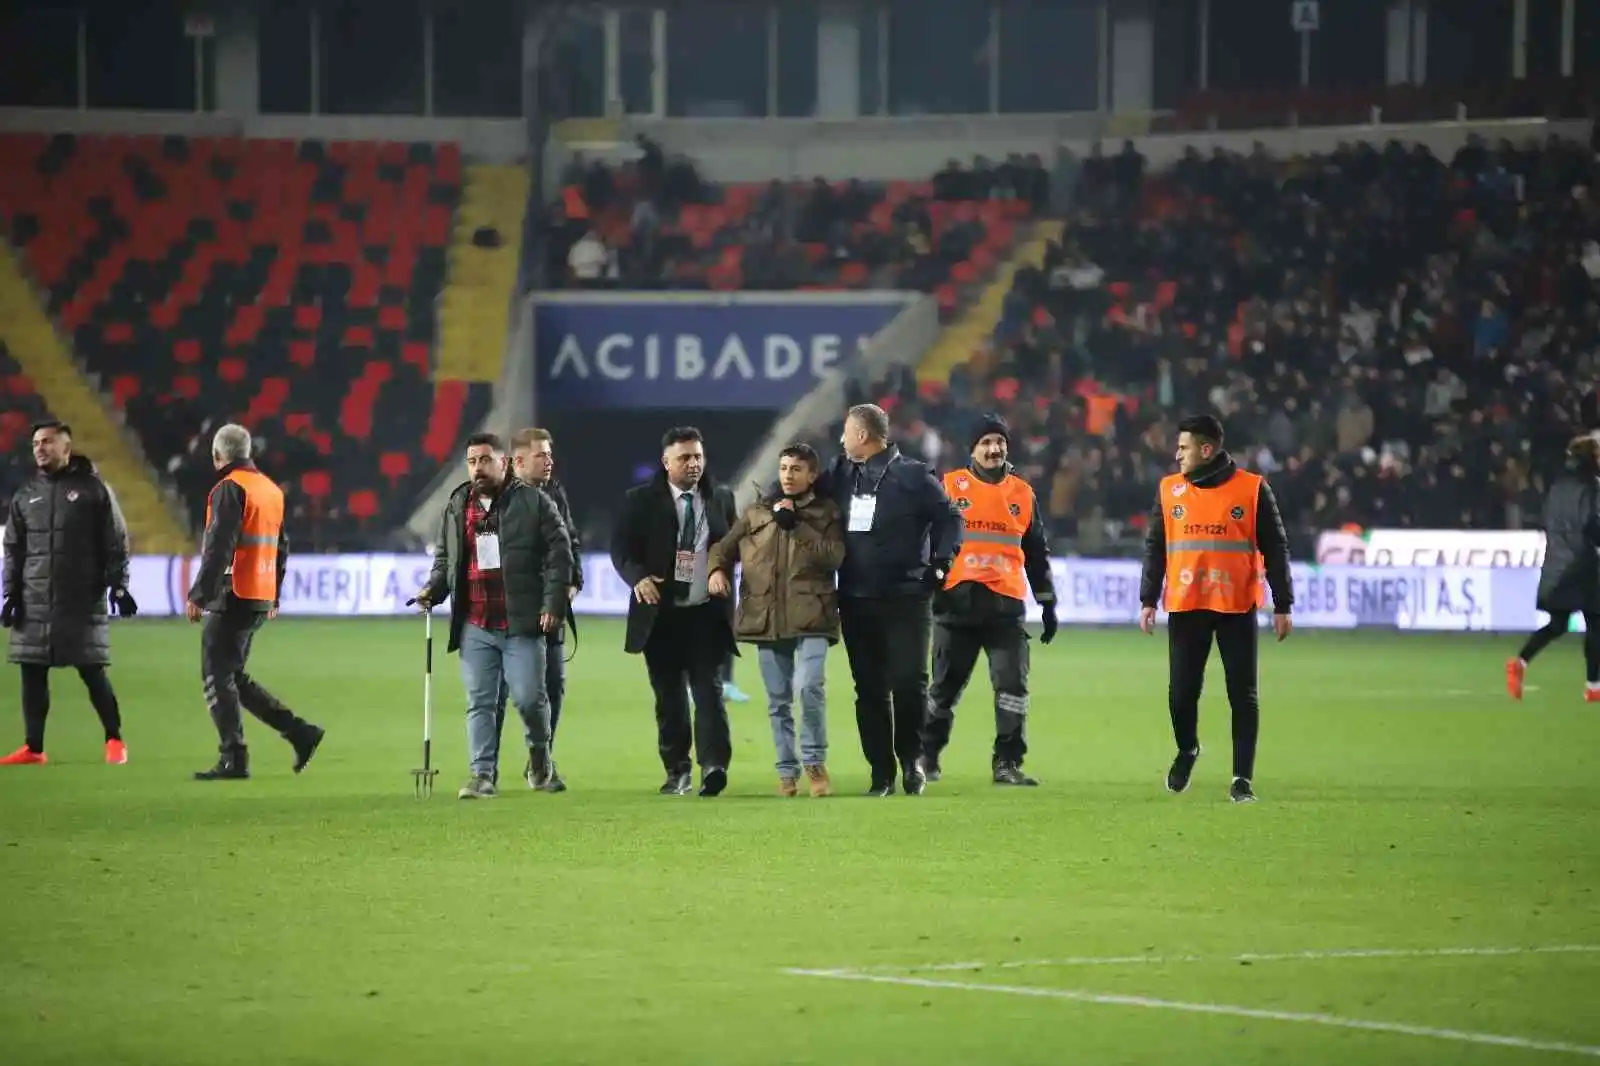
(242, 562)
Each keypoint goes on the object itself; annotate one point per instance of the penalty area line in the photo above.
(1333, 1021)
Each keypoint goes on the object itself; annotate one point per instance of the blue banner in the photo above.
(698, 352)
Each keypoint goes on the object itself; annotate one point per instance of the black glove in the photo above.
(1049, 633)
(122, 603)
(786, 517)
(10, 613)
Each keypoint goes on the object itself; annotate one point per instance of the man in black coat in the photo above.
(660, 547)
(66, 547)
(902, 535)
(1569, 582)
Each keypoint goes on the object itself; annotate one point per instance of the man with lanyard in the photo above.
(1004, 553)
(901, 536)
(243, 559)
(1212, 530)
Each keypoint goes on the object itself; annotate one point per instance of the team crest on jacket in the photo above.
(962, 483)
(1180, 488)
(1237, 514)
(73, 495)
(1177, 513)
(1015, 509)
(962, 503)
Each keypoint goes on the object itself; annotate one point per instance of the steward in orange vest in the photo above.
(1005, 554)
(1213, 531)
(243, 560)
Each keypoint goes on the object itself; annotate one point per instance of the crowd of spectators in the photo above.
(1395, 339)
(634, 226)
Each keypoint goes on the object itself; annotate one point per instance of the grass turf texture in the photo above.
(333, 918)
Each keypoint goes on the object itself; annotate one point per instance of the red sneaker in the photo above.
(1591, 695)
(23, 756)
(116, 752)
(1516, 669)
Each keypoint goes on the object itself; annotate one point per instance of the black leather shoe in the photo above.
(913, 780)
(677, 785)
(713, 781)
(231, 766)
(881, 788)
(305, 745)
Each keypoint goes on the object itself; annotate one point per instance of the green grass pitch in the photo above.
(1412, 818)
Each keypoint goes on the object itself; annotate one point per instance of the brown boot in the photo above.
(821, 784)
(788, 786)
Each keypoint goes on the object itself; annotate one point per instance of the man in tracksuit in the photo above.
(1005, 553)
(243, 560)
(901, 537)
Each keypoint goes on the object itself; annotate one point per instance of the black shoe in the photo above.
(305, 744)
(1009, 773)
(1241, 792)
(540, 768)
(677, 784)
(713, 781)
(231, 766)
(913, 780)
(931, 770)
(881, 788)
(1182, 767)
(554, 783)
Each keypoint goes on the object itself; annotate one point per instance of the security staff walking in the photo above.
(1004, 553)
(242, 563)
(1212, 530)
(901, 537)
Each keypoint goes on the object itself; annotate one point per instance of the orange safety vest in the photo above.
(255, 556)
(996, 517)
(1213, 563)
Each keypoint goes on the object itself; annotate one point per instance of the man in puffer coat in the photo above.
(1569, 583)
(790, 547)
(66, 547)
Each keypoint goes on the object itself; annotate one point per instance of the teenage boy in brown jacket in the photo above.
(789, 548)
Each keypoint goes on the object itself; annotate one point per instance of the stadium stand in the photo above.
(658, 224)
(290, 285)
(20, 407)
(1385, 333)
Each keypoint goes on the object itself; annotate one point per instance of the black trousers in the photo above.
(1556, 628)
(1189, 638)
(36, 702)
(886, 641)
(555, 686)
(689, 644)
(225, 639)
(955, 655)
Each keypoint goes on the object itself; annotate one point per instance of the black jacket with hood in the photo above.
(66, 548)
(1570, 579)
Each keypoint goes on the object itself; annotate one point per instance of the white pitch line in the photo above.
(1286, 956)
(1330, 1020)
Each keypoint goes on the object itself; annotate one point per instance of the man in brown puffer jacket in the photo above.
(790, 547)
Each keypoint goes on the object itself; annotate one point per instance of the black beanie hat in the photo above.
(990, 423)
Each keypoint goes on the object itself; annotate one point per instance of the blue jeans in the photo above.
(488, 659)
(788, 666)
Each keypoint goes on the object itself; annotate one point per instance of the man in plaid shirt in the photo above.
(504, 558)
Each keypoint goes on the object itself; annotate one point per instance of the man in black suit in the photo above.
(660, 548)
